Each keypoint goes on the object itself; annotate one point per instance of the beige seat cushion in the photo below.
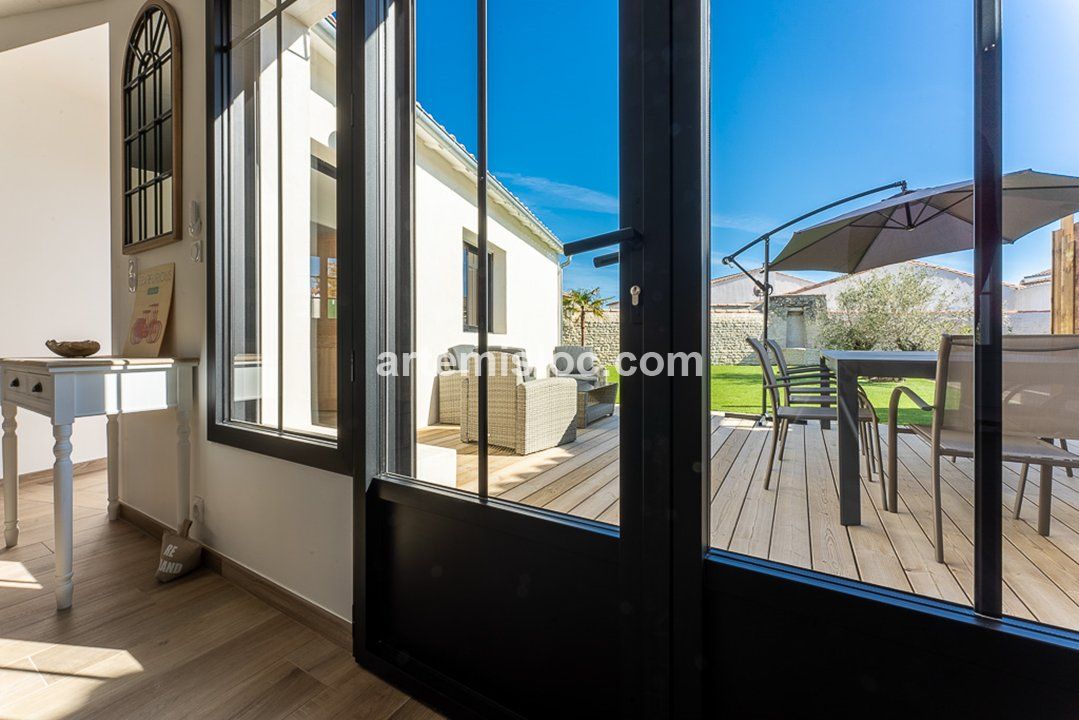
(1015, 448)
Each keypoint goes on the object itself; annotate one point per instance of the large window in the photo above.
(470, 271)
(277, 311)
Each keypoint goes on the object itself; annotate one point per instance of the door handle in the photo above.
(629, 241)
(597, 242)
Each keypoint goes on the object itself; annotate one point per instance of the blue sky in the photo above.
(810, 102)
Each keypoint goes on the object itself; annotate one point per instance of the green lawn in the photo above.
(737, 388)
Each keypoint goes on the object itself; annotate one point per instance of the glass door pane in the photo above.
(439, 262)
(552, 321)
(554, 147)
(1040, 543)
(814, 103)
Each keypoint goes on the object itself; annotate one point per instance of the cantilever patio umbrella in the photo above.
(912, 224)
(931, 221)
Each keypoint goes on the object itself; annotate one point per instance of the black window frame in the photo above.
(334, 455)
(470, 249)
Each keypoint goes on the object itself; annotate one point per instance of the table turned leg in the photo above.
(11, 476)
(112, 432)
(184, 403)
(62, 498)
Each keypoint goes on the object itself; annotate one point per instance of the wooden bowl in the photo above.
(73, 348)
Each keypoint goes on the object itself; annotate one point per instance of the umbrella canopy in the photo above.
(919, 223)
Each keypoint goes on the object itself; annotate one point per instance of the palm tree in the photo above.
(582, 303)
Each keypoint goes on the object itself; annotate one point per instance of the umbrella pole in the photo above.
(766, 291)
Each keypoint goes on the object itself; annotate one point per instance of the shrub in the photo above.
(905, 310)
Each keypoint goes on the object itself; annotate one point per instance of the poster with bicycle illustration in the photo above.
(149, 317)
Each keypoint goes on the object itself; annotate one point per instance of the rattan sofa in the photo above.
(451, 373)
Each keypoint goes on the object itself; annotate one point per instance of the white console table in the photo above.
(64, 389)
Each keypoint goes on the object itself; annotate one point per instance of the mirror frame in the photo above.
(129, 245)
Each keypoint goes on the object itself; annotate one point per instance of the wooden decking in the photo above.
(797, 520)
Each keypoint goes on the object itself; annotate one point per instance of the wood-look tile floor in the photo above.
(796, 521)
(198, 647)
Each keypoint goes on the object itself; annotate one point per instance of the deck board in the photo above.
(796, 521)
(789, 533)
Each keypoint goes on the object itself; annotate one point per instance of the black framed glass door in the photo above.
(506, 441)
(491, 574)
(839, 562)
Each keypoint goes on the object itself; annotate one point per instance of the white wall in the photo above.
(287, 522)
(445, 216)
(1028, 322)
(54, 206)
(740, 289)
(1033, 297)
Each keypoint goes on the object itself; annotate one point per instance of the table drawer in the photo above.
(19, 384)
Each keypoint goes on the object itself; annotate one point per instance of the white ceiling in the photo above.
(18, 7)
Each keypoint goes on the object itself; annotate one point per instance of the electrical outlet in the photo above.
(198, 508)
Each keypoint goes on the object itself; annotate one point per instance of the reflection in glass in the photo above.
(246, 14)
(250, 163)
(309, 223)
(281, 184)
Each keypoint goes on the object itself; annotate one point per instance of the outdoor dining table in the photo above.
(848, 366)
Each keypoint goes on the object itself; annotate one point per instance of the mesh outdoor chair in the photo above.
(790, 370)
(783, 415)
(1040, 400)
(808, 382)
(524, 415)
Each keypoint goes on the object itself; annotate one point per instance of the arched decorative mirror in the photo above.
(151, 98)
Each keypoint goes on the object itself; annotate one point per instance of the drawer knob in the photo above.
(14, 383)
(37, 388)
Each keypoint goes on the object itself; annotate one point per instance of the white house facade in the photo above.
(1030, 311)
(737, 289)
(525, 273)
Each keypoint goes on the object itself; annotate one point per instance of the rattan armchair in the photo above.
(580, 363)
(524, 415)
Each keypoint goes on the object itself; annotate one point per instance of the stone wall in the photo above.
(729, 331)
(600, 333)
